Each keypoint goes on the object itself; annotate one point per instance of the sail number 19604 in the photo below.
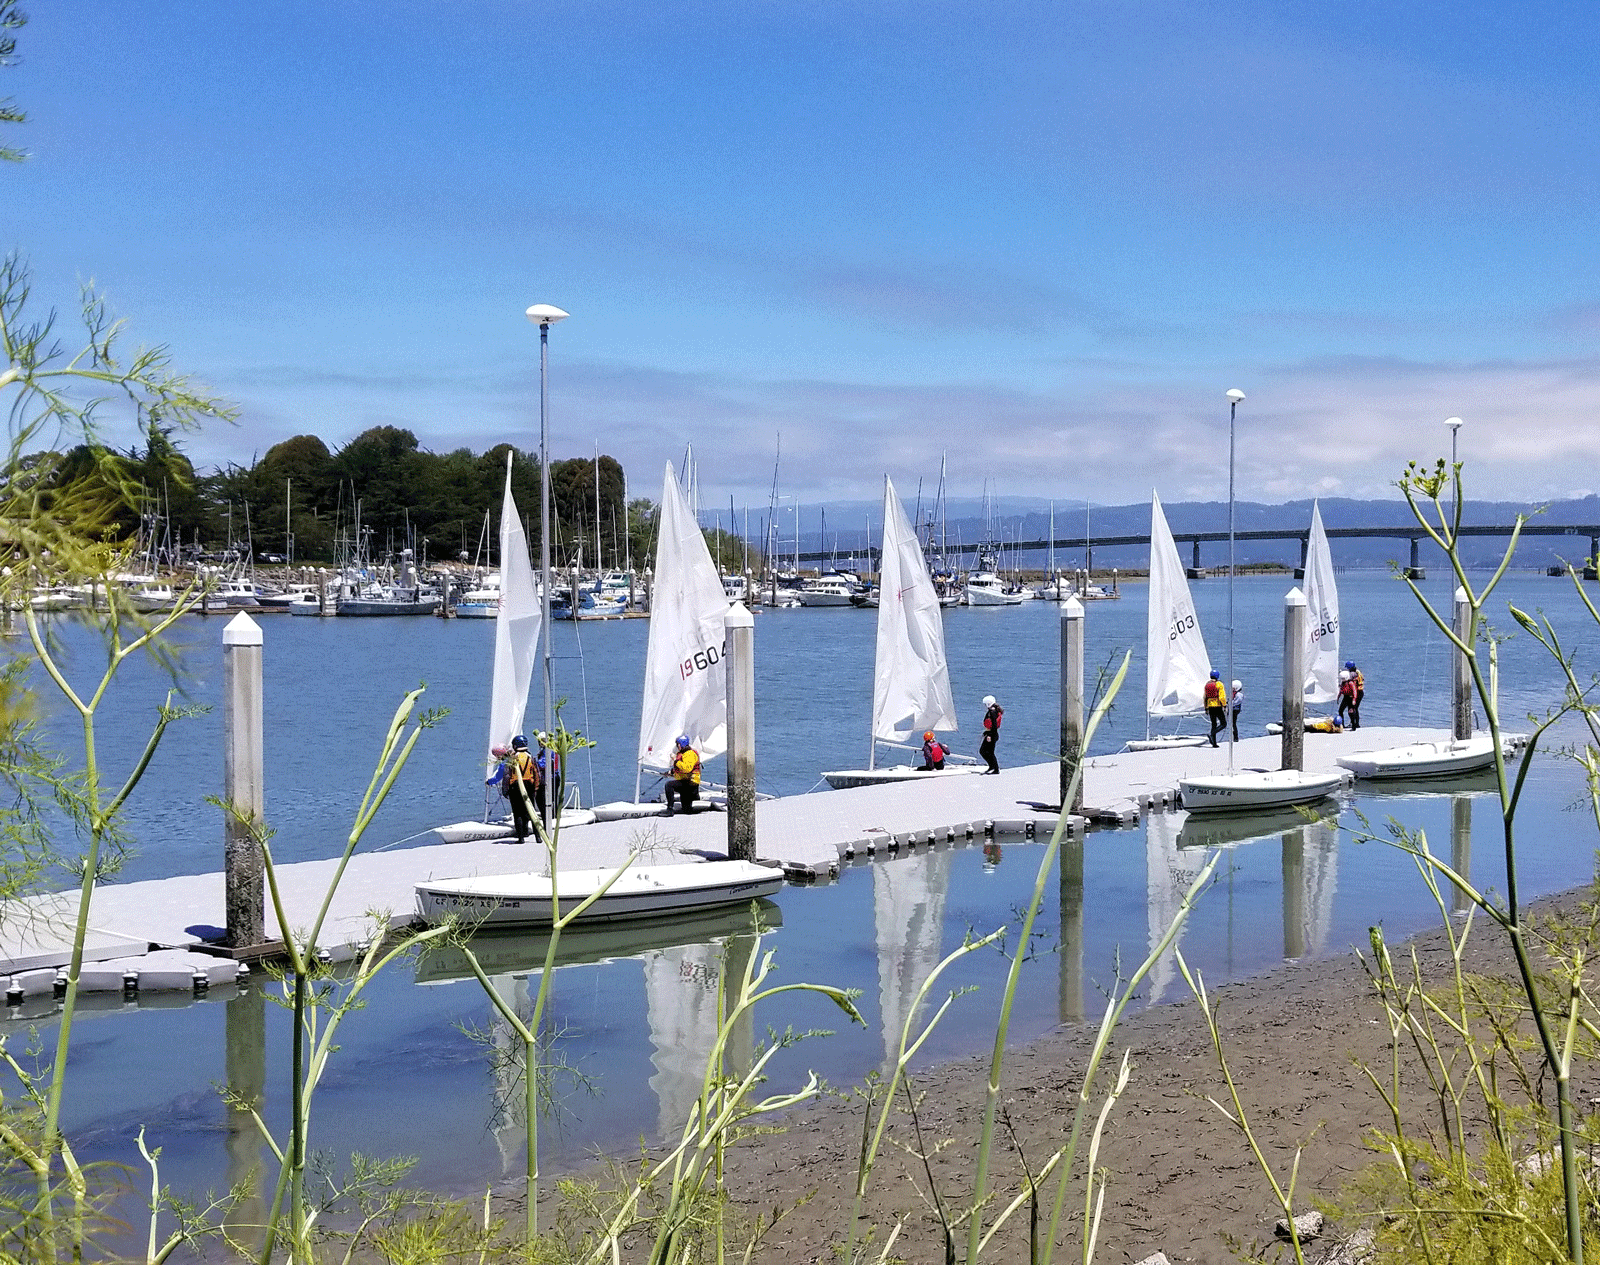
(701, 660)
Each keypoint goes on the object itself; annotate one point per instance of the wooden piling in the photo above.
(1071, 699)
(1461, 677)
(1294, 679)
(242, 785)
(741, 666)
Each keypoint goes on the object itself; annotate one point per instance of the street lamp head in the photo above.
(1235, 395)
(544, 314)
(1454, 423)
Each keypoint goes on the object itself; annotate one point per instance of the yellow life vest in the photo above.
(520, 767)
(1216, 694)
(686, 768)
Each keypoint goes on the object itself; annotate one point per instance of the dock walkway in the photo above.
(144, 932)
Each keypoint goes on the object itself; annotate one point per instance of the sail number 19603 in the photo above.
(701, 660)
(1180, 626)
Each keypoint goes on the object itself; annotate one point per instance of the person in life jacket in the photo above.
(683, 778)
(1216, 699)
(1358, 688)
(519, 782)
(1236, 707)
(932, 753)
(1347, 694)
(992, 715)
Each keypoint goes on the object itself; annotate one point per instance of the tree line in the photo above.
(402, 496)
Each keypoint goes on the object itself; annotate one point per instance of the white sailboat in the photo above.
(1250, 790)
(516, 651)
(911, 680)
(685, 682)
(1322, 616)
(1176, 664)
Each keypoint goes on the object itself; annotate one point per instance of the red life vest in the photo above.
(1216, 696)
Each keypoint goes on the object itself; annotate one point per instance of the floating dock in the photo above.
(145, 935)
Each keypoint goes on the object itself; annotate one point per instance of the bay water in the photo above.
(422, 1068)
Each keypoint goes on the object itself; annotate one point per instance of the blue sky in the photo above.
(1045, 238)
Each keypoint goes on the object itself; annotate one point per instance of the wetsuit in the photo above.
(991, 737)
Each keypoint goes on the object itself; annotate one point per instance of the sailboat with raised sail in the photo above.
(685, 682)
(516, 651)
(1322, 616)
(911, 679)
(1176, 662)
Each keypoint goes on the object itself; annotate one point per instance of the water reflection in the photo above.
(245, 1039)
(1069, 988)
(1461, 848)
(908, 897)
(1310, 883)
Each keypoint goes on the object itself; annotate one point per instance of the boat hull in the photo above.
(510, 900)
(1247, 790)
(844, 779)
(991, 597)
(368, 607)
(1423, 759)
(482, 831)
(1168, 742)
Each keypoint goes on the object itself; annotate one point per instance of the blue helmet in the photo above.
(519, 743)
(683, 740)
(1349, 665)
(1215, 675)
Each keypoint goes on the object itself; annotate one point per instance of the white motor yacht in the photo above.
(826, 590)
(985, 588)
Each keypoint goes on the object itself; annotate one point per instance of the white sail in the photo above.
(1177, 665)
(516, 629)
(685, 681)
(1322, 616)
(911, 685)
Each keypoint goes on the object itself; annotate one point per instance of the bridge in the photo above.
(1413, 533)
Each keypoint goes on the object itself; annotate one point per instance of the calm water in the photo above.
(409, 1079)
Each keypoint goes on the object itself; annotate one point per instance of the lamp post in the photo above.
(544, 316)
(1455, 424)
(1234, 397)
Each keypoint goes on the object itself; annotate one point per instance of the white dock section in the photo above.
(809, 835)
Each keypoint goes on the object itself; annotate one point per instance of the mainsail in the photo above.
(685, 681)
(516, 629)
(911, 683)
(1322, 616)
(1177, 664)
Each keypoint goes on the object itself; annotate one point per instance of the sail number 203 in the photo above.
(1180, 626)
(701, 660)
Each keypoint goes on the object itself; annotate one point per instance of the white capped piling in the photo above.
(741, 660)
(324, 606)
(242, 779)
(1294, 679)
(1461, 678)
(1071, 699)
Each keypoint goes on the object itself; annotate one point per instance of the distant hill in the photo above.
(1018, 518)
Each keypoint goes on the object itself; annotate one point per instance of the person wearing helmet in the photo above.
(1347, 697)
(992, 715)
(932, 753)
(683, 778)
(1358, 691)
(1236, 706)
(519, 781)
(1216, 700)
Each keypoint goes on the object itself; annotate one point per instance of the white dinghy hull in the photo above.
(1247, 790)
(507, 900)
(844, 779)
(1168, 742)
(1423, 759)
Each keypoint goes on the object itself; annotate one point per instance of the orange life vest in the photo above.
(1216, 695)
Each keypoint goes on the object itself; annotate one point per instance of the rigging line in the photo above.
(407, 839)
(583, 678)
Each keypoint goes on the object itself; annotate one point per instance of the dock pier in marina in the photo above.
(148, 936)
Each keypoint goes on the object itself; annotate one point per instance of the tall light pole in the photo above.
(1234, 397)
(1455, 424)
(544, 316)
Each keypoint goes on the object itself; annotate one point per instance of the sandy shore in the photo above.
(1182, 1177)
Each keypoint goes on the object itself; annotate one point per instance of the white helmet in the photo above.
(988, 700)
(1344, 676)
(1237, 686)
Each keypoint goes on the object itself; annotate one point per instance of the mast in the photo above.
(288, 523)
(1050, 563)
(599, 562)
